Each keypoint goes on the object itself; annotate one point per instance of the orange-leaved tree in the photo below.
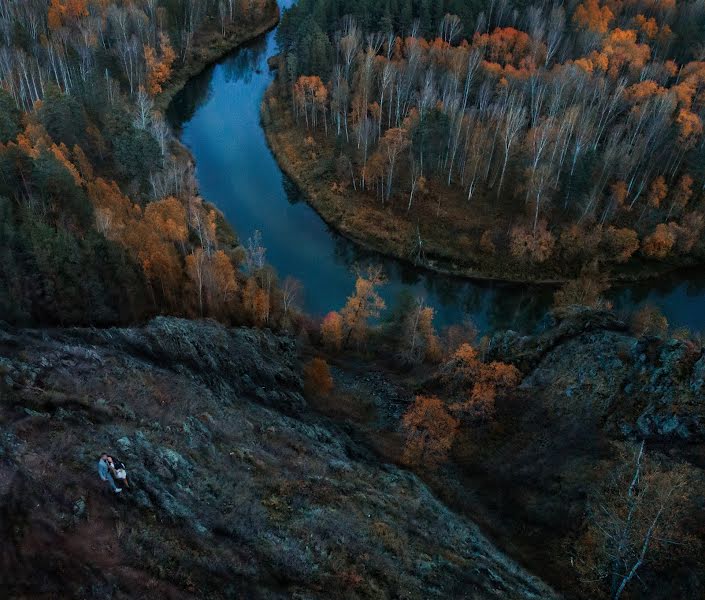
(477, 383)
(158, 67)
(430, 431)
(660, 243)
(363, 305)
(332, 331)
(63, 11)
(590, 15)
(317, 378)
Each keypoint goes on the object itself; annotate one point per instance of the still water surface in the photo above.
(217, 114)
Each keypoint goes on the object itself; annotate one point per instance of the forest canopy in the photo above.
(100, 221)
(581, 122)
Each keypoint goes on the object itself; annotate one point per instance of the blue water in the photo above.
(219, 119)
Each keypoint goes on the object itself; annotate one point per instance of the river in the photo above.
(217, 115)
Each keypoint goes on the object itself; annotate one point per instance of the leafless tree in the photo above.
(637, 514)
(450, 28)
(292, 290)
(256, 252)
(513, 122)
(554, 37)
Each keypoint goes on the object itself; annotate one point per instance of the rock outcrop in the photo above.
(586, 360)
(237, 489)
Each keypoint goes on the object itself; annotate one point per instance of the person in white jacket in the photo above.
(104, 472)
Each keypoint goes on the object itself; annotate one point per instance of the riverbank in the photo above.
(210, 45)
(444, 240)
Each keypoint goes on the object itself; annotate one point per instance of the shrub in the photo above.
(317, 378)
(586, 291)
(649, 320)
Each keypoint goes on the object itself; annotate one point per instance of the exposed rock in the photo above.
(587, 363)
(236, 489)
(697, 382)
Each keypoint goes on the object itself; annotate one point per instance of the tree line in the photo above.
(585, 119)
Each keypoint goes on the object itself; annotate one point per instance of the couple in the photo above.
(111, 470)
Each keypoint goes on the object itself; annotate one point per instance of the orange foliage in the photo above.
(619, 192)
(62, 11)
(81, 161)
(508, 51)
(158, 68)
(317, 378)
(657, 192)
(160, 261)
(648, 26)
(620, 244)
(33, 140)
(168, 218)
(532, 246)
(660, 243)
(464, 371)
(430, 431)
(487, 243)
(648, 320)
(222, 277)
(464, 365)
(489, 380)
(149, 237)
(584, 291)
(115, 214)
(590, 15)
(61, 153)
(310, 95)
(642, 91)
(690, 127)
(683, 191)
(213, 278)
(584, 64)
(332, 331)
(363, 305)
(622, 51)
(689, 232)
(256, 301)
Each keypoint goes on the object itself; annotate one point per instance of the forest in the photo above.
(562, 138)
(559, 134)
(100, 219)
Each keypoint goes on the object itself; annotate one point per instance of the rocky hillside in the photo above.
(238, 490)
(590, 390)
(643, 387)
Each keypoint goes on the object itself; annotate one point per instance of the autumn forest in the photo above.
(179, 178)
(547, 137)
(100, 216)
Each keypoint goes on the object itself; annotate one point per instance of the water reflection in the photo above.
(245, 63)
(218, 113)
(194, 95)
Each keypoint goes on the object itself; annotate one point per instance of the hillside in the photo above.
(243, 488)
(300, 416)
(239, 490)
